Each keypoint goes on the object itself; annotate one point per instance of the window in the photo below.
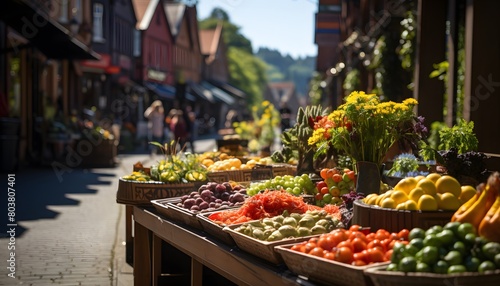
(137, 43)
(63, 17)
(98, 35)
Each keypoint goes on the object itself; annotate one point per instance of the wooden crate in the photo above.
(141, 193)
(380, 277)
(259, 248)
(323, 270)
(394, 220)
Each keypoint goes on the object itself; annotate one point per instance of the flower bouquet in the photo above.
(365, 128)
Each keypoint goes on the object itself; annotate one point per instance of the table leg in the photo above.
(129, 240)
(156, 264)
(142, 255)
(196, 273)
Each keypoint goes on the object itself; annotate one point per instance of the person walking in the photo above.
(156, 117)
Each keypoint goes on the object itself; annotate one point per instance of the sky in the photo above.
(283, 25)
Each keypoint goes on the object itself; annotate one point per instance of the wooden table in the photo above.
(150, 229)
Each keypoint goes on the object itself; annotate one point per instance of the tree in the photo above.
(246, 71)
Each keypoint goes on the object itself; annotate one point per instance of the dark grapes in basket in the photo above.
(214, 196)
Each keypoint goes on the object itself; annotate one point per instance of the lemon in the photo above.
(449, 202)
(415, 194)
(427, 203)
(419, 177)
(467, 193)
(399, 197)
(411, 205)
(448, 184)
(406, 184)
(370, 199)
(381, 197)
(428, 186)
(388, 203)
(401, 206)
(433, 176)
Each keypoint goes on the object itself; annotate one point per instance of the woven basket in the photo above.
(395, 220)
(380, 277)
(141, 193)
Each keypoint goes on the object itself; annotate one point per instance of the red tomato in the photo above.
(375, 244)
(358, 263)
(375, 255)
(329, 255)
(358, 244)
(403, 234)
(344, 255)
(346, 243)
(317, 251)
(309, 246)
(326, 242)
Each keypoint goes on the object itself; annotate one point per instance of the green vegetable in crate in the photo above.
(290, 225)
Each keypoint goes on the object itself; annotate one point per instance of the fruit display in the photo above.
(295, 185)
(269, 203)
(139, 176)
(354, 246)
(336, 182)
(179, 168)
(453, 248)
(213, 196)
(426, 193)
(483, 209)
(290, 225)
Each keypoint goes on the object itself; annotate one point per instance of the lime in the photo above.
(441, 267)
(470, 238)
(460, 247)
(486, 266)
(417, 242)
(453, 226)
(453, 257)
(456, 269)
(431, 231)
(472, 263)
(428, 254)
(446, 236)
(392, 267)
(410, 250)
(416, 233)
(327, 198)
(490, 250)
(423, 267)
(398, 251)
(464, 229)
(407, 264)
(432, 240)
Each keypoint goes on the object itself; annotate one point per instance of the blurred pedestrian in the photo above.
(156, 116)
(179, 129)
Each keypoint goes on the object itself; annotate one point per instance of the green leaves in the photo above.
(461, 136)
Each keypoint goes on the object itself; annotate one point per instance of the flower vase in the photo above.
(368, 178)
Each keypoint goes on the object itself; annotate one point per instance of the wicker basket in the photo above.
(259, 248)
(141, 193)
(395, 220)
(323, 270)
(380, 277)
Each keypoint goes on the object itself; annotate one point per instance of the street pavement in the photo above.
(68, 228)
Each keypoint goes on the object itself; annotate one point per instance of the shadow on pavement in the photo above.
(37, 188)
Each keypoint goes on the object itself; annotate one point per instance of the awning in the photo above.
(201, 92)
(31, 21)
(162, 90)
(229, 88)
(219, 94)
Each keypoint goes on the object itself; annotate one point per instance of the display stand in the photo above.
(150, 230)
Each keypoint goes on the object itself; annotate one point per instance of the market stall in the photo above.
(326, 221)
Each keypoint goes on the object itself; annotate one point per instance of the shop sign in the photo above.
(156, 75)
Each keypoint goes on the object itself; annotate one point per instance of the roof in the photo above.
(209, 41)
(175, 13)
(144, 11)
